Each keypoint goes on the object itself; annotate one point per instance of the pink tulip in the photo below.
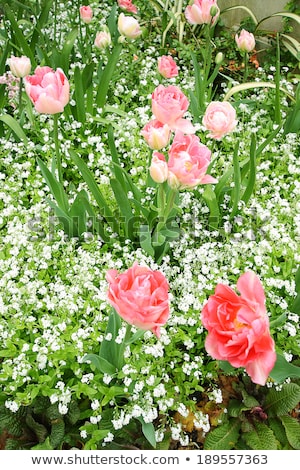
(219, 119)
(86, 14)
(128, 6)
(202, 12)
(245, 41)
(159, 168)
(169, 104)
(238, 328)
(102, 39)
(19, 66)
(167, 66)
(188, 162)
(48, 90)
(156, 134)
(128, 27)
(140, 296)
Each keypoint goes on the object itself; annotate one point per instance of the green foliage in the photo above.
(40, 423)
(259, 420)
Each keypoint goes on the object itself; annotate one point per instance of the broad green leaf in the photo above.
(248, 86)
(292, 429)
(124, 207)
(285, 14)
(55, 187)
(14, 126)
(106, 76)
(224, 437)
(40, 24)
(236, 191)
(67, 49)
(241, 7)
(278, 430)
(145, 240)
(94, 188)
(283, 370)
(252, 171)
(209, 197)
(78, 211)
(261, 437)
(109, 349)
(19, 36)
(100, 363)
(148, 430)
(236, 408)
(281, 402)
(79, 95)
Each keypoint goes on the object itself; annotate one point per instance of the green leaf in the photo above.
(64, 57)
(252, 171)
(261, 437)
(94, 188)
(40, 23)
(55, 187)
(281, 402)
(292, 429)
(109, 349)
(20, 38)
(79, 95)
(15, 127)
(145, 240)
(236, 191)
(278, 430)
(43, 445)
(78, 212)
(106, 76)
(100, 363)
(241, 7)
(124, 205)
(149, 431)
(224, 437)
(209, 197)
(283, 370)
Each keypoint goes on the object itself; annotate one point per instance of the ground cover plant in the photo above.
(150, 229)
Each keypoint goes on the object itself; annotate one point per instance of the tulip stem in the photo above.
(246, 60)
(20, 95)
(56, 161)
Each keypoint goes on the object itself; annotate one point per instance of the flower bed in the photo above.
(149, 231)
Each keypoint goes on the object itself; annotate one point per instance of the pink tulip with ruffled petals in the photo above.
(238, 328)
(167, 66)
(48, 90)
(140, 296)
(245, 41)
(219, 119)
(156, 134)
(202, 12)
(86, 14)
(169, 104)
(188, 162)
(128, 6)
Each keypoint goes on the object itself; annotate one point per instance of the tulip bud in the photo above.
(86, 14)
(219, 58)
(173, 181)
(128, 26)
(159, 168)
(19, 66)
(102, 39)
(214, 11)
